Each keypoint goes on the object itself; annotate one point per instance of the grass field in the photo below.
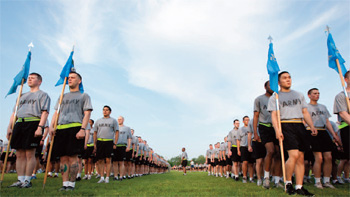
(169, 184)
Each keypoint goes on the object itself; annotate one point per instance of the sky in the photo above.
(179, 71)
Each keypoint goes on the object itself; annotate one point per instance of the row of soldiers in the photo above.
(308, 136)
(107, 141)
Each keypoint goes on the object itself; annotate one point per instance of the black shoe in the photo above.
(26, 184)
(115, 178)
(62, 189)
(16, 184)
(120, 179)
(236, 178)
(289, 189)
(304, 192)
(78, 178)
(69, 188)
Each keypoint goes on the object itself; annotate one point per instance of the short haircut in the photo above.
(245, 117)
(309, 92)
(265, 85)
(81, 78)
(235, 121)
(37, 75)
(107, 107)
(92, 121)
(347, 74)
(281, 73)
(210, 145)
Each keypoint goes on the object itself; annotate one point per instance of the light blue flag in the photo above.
(334, 54)
(272, 69)
(68, 67)
(23, 74)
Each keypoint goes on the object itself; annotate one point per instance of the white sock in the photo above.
(72, 184)
(317, 180)
(33, 174)
(49, 173)
(298, 186)
(21, 178)
(65, 183)
(102, 178)
(79, 175)
(56, 173)
(266, 174)
(326, 179)
(107, 178)
(250, 178)
(27, 178)
(288, 182)
(277, 179)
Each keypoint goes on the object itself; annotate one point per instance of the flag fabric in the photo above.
(23, 74)
(334, 54)
(68, 67)
(272, 69)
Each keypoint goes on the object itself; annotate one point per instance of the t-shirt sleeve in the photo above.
(256, 105)
(87, 103)
(339, 104)
(328, 115)
(272, 104)
(116, 126)
(45, 102)
(56, 106)
(129, 134)
(303, 101)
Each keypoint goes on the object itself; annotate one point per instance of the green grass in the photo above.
(169, 184)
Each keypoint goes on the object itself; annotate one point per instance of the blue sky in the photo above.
(178, 71)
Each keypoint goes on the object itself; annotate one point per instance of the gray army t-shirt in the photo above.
(260, 105)
(243, 136)
(73, 106)
(233, 136)
(216, 153)
(31, 104)
(319, 114)
(184, 155)
(209, 153)
(290, 104)
(106, 128)
(340, 105)
(124, 135)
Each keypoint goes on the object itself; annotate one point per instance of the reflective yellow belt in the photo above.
(28, 119)
(90, 145)
(70, 125)
(343, 125)
(121, 145)
(104, 140)
(296, 120)
(265, 124)
(234, 145)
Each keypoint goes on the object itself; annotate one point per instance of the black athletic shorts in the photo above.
(88, 152)
(235, 157)
(309, 156)
(66, 142)
(295, 137)
(38, 151)
(267, 134)
(246, 155)
(345, 138)
(228, 161)
(146, 161)
(216, 162)
(139, 161)
(128, 156)
(104, 149)
(3, 155)
(208, 161)
(23, 135)
(184, 163)
(119, 154)
(259, 150)
(222, 162)
(322, 142)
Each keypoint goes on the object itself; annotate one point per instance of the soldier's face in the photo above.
(314, 95)
(285, 81)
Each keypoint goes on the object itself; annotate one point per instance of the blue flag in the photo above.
(272, 69)
(23, 74)
(334, 54)
(68, 67)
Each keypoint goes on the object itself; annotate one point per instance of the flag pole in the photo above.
(343, 84)
(281, 141)
(55, 127)
(53, 137)
(12, 126)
